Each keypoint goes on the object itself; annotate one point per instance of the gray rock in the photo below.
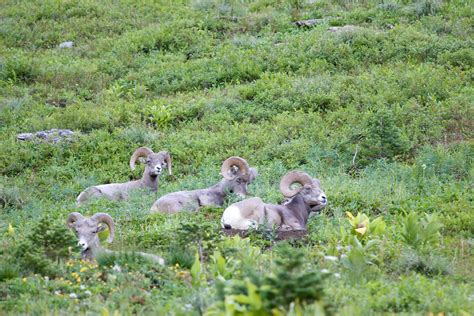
(65, 132)
(42, 134)
(25, 136)
(68, 44)
(308, 23)
(53, 135)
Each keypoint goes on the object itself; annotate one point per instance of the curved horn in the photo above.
(240, 163)
(73, 218)
(139, 152)
(293, 177)
(107, 219)
(168, 160)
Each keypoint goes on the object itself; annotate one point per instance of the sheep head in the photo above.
(154, 162)
(309, 189)
(238, 173)
(87, 229)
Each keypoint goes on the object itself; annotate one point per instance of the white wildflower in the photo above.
(117, 268)
(72, 295)
(331, 258)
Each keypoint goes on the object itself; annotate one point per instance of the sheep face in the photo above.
(87, 233)
(239, 184)
(86, 229)
(155, 164)
(314, 196)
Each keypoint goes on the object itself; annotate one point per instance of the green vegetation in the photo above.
(382, 114)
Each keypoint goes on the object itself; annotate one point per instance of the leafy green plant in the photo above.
(429, 264)
(363, 228)
(418, 232)
(48, 242)
(359, 257)
(11, 197)
(288, 281)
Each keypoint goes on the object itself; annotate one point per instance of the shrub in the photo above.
(428, 264)
(384, 139)
(11, 197)
(418, 232)
(48, 242)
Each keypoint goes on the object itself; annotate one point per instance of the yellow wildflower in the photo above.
(83, 269)
(11, 230)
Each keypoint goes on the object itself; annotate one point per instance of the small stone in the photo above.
(65, 132)
(73, 295)
(41, 134)
(25, 136)
(68, 44)
(309, 23)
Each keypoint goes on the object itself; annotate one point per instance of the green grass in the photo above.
(381, 115)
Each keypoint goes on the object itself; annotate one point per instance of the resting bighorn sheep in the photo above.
(237, 175)
(87, 229)
(292, 215)
(154, 164)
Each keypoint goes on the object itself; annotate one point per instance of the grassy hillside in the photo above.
(381, 112)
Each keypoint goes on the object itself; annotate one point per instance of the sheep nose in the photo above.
(81, 244)
(323, 199)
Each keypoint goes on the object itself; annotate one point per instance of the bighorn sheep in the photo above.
(87, 230)
(237, 175)
(292, 215)
(154, 164)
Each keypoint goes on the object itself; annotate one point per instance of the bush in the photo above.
(48, 242)
(418, 232)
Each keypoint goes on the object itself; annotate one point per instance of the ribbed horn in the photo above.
(168, 161)
(107, 219)
(73, 218)
(139, 152)
(294, 177)
(226, 169)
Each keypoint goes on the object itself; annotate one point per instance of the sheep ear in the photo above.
(101, 228)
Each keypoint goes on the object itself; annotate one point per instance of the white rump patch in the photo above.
(233, 217)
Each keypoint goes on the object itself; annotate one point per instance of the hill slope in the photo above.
(379, 110)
